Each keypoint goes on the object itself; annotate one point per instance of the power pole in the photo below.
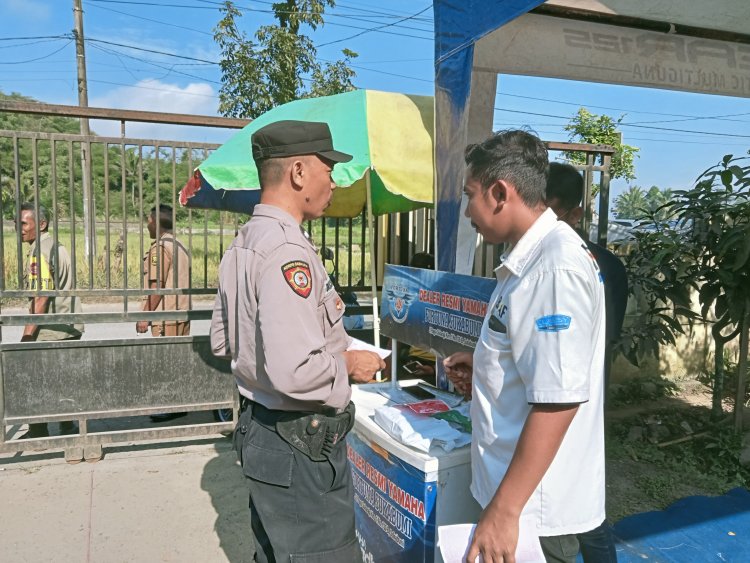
(89, 232)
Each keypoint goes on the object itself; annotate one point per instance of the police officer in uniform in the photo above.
(165, 265)
(278, 318)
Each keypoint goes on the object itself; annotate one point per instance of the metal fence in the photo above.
(99, 191)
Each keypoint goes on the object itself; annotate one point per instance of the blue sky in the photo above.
(399, 58)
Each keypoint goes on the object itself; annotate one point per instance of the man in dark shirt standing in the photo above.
(564, 195)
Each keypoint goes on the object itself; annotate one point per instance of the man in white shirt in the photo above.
(537, 370)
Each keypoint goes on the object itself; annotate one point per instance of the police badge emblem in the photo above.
(297, 275)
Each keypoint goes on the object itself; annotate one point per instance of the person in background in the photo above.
(564, 196)
(47, 267)
(538, 368)
(166, 265)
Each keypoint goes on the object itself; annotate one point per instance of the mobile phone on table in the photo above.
(417, 392)
(412, 368)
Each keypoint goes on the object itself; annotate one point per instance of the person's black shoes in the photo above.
(166, 416)
(68, 427)
(36, 430)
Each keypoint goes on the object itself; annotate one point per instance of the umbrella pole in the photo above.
(373, 267)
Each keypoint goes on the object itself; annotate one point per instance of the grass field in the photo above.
(118, 263)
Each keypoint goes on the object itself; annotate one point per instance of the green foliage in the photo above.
(587, 127)
(707, 456)
(637, 391)
(637, 203)
(708, 252)
(25, 122)
(334, 78)
(725, 379)
(30, 122)
(271, 69)
(56, 180)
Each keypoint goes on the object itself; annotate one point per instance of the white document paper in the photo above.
(454, 542)
(358, 344)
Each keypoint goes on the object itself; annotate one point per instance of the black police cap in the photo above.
(292, 138)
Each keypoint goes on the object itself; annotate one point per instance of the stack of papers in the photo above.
(418, 430)
(454, 542)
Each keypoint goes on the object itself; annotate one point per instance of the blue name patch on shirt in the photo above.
(553, 323)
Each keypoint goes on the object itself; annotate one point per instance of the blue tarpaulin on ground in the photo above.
(694, 529)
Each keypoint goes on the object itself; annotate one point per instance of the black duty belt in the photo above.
(314, 434)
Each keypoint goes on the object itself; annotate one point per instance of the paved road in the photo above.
(181, 502)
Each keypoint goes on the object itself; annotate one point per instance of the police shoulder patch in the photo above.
(297, 275)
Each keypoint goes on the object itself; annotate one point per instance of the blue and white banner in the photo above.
(394, 507)
(437, 311)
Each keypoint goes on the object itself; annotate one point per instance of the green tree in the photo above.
(708, 253)
(630, 203)
(26, 122)
(656, 203)
(637, 203)
(271, 69)
(587, 127)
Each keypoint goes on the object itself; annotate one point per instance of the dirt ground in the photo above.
(650, 470)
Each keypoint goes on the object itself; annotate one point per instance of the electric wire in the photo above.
(374, 29)
(36, 58)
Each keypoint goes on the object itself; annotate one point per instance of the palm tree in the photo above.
(630, 204)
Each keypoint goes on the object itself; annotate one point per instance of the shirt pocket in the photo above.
(496, 340)
(333, 308)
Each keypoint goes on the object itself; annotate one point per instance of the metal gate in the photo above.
(99, 191)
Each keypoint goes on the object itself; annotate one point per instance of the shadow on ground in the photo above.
(222, 479)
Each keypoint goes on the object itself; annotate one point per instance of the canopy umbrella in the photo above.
(388, 134)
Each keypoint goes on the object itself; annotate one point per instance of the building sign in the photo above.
(561, 48)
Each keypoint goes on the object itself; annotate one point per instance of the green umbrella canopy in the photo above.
(389, 136)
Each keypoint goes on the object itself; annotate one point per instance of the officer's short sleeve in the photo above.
(291, 323)
(553, 333)
(154, 272)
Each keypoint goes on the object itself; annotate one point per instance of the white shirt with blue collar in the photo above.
(542, 341)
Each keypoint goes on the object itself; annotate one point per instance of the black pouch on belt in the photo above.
(315, 435)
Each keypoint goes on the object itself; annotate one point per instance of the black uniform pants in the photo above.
(302, 511)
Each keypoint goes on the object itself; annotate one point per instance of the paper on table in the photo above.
(454, 542)
(358, 344)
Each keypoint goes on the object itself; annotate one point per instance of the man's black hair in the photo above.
(165, 216)
(43, 215)
(565, 184)
(515, 156)
(423, 260)
(270, 170)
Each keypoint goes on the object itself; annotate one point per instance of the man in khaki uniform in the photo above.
(165, 265)
(278, 318)
(47, 267)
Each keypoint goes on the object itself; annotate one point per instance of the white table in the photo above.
(401, 494)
